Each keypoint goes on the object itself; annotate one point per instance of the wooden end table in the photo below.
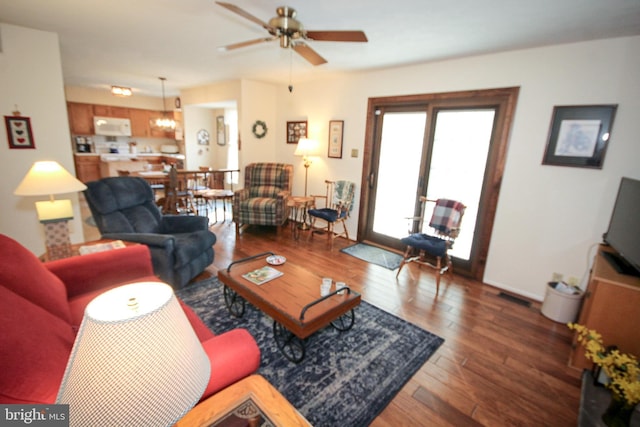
(251, 401)
(300, 204)
(75, 248)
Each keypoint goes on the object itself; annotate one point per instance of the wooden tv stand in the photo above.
(611, 306)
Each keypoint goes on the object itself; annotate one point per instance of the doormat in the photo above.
(374, 255)
(346, 378)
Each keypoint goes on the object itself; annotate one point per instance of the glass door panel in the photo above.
(460, 148)
(401, 144)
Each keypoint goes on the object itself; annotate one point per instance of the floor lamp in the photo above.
(306, 148)
(46, 178)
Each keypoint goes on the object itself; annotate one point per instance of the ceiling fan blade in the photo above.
(337, 36)
(247, 43)
(309, 54)
(235, 9)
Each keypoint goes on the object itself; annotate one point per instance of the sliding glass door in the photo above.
(440, 149)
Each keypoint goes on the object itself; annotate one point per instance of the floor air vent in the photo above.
(515, 299)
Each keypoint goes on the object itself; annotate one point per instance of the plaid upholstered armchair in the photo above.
(263, 200)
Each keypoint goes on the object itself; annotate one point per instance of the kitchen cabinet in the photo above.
(111, 111)
(87, 167)
(139, 123)
(80, 118)
(611, 307)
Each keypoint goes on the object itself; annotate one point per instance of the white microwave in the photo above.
(111, 126)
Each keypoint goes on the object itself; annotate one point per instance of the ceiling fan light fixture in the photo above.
(291, 33)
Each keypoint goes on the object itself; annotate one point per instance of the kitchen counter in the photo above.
(128, 156)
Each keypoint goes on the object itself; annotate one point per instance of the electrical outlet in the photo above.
(572, 281)
(557, 277)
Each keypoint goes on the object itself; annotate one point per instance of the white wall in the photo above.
(31, 78)
(548, 217)
(258, 102)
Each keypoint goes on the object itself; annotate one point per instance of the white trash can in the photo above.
(561, 306)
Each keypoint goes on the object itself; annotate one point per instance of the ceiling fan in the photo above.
(291, 33)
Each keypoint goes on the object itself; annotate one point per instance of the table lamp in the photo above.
(136, 360)
(306, 148)
(46, 178)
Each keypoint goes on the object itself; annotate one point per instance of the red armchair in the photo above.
(42, 305)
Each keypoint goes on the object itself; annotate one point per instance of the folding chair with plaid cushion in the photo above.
(431, 249)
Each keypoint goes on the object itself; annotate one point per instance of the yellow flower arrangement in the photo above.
(622, 369)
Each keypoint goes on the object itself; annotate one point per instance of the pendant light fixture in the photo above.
(164, 122)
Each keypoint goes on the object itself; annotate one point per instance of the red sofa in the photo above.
(42, 305)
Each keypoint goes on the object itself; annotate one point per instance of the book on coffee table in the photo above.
(262, 275)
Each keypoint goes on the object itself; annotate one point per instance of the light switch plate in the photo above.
(354, 152)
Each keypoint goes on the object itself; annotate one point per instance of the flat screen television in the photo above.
(623, 234)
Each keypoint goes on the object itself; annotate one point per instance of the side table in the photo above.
(251, 401)
(214, 195)
(299, 204)
(75, 249)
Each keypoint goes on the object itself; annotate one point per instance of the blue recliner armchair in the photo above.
(124, 208)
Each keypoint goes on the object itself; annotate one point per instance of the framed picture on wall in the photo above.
(579, 135)
(336, 130)
(220, 131)
(19, 132)
(295, 131)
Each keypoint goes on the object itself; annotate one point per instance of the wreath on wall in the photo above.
(259, 129)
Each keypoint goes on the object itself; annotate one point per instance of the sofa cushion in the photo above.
(34, 349)
(270, 191)
(260, 204)
(23, 273)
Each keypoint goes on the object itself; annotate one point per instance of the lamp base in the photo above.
(57, 240)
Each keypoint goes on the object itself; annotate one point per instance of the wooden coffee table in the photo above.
(292, 300)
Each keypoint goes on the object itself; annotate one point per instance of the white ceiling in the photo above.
(133, 42)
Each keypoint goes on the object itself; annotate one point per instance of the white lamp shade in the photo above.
(54, 210)
(47, 178)
(306, 147)
(136, 360)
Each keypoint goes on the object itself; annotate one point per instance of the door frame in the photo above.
(504, 100)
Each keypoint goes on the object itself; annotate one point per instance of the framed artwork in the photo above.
(336, 129)
(579, 135)
(295, 131)
(19, 132)
(220, 130)
(203, 137)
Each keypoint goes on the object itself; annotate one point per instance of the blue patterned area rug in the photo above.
(374, 255)
(346, 378)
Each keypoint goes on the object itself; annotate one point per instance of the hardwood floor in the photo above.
(502, 363)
